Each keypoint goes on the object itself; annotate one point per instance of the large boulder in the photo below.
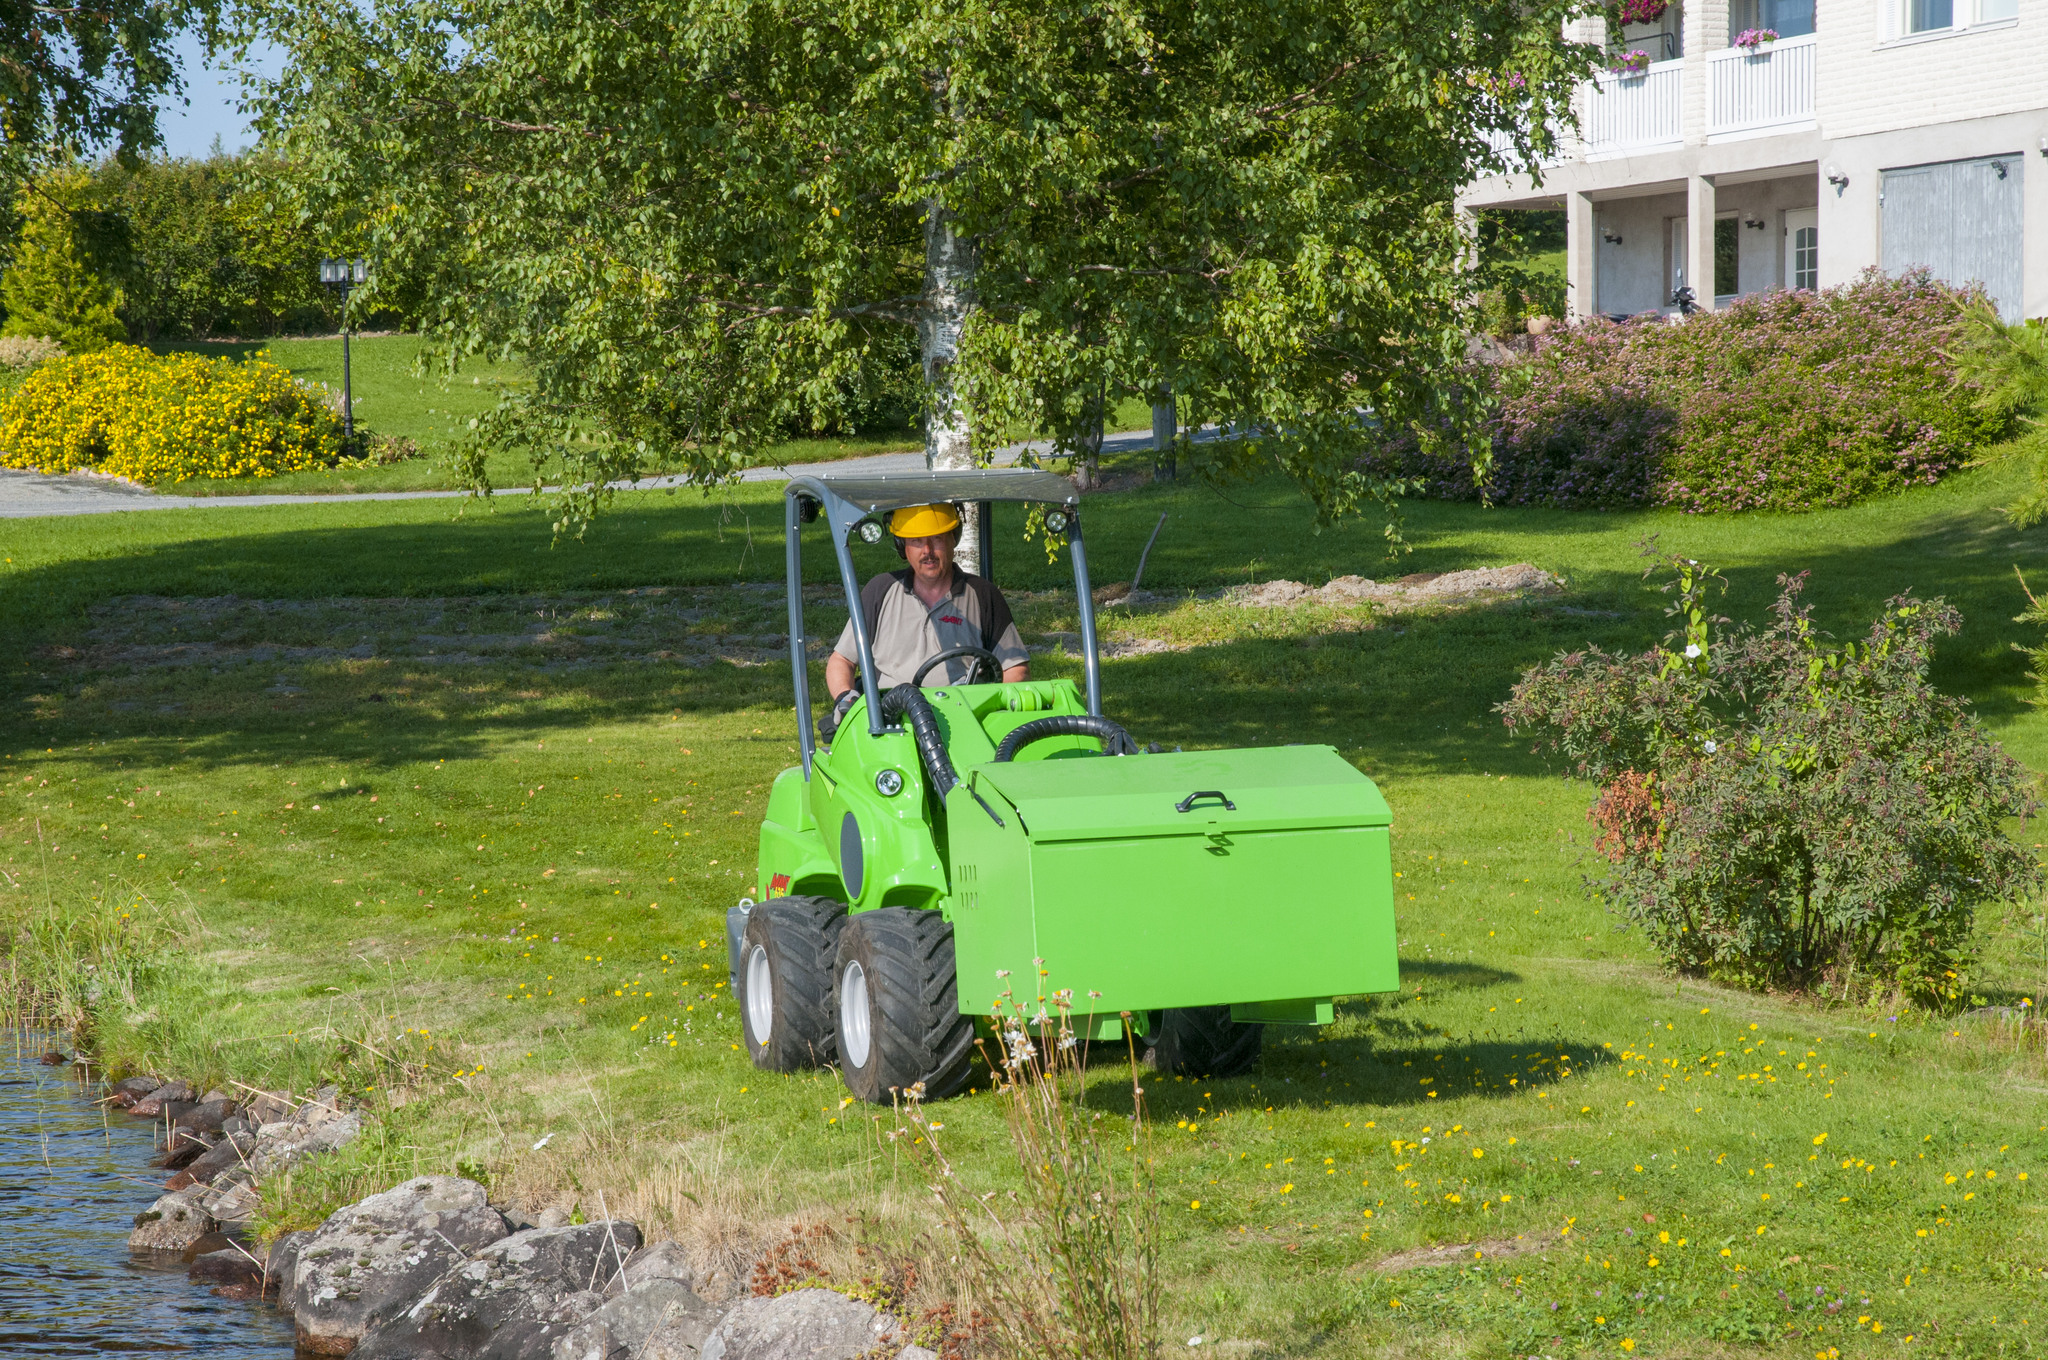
(173, 1223)
(314, 1130)
(369, 1261)
(806, 1324)
(624, 1325)
(267, 1108)
(206, 1118)
(281, 1261)
(230, 1266)
(230, 1152)
(186, 1148)
(128, 1090)
(661, 1261)
(231, 1199)
(152, 1105)
(513, 1301)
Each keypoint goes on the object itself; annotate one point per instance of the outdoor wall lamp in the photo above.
(1610, 236)
(1837, 178)
(2044, 146)
(1753, 223)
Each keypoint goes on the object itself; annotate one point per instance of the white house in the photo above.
(1870, 132)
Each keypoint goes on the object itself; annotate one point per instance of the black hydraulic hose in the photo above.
(908, 702)
(1115, 741)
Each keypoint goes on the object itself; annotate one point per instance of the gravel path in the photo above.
(29, 494)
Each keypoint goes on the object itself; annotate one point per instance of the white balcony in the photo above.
(1627, 114)
(1750, 93)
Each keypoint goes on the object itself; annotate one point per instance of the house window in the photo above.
(1786, 18)
(1924, 16)
(1991, 10)
(1806, 257)
(1727, 251)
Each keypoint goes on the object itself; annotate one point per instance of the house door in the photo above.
(1802, 249)
(1960, 219)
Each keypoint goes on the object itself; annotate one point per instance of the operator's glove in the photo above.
(828, 723)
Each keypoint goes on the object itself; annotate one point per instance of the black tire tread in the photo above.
(1203, 1041)
(919, 1034)
(802, 938)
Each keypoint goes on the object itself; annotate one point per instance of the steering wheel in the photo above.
(983, 659)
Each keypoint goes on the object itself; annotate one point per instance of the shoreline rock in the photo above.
(431, 1270)
(371, 1260)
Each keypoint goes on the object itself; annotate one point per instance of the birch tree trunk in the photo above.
(1165, 427)
(948, 297)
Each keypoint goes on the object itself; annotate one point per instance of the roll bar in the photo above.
(844, 502)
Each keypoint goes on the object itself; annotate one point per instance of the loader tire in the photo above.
(898, 1006)
(1203, 1041)
(785, 982)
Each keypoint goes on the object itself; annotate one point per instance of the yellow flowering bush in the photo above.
(166, 417)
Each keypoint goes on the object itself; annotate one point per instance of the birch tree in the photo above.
(699, 220)
(76, 78)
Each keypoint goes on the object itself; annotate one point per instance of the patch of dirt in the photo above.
(1407, 592)
(1417, 589)
(1464, 1253)
(693, 626)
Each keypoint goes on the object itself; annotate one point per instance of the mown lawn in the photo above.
(453, 814)
(434, 411)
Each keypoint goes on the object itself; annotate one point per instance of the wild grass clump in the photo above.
(1788, 400)
(1068, 1266)
(1778, 812)
(65, 964)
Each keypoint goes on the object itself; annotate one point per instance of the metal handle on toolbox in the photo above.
(1187, 804)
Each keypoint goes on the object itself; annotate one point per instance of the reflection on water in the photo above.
(71, 1183)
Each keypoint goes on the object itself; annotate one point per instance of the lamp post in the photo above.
(342, 276)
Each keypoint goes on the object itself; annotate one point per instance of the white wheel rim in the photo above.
(854, 1036)
(760, 994)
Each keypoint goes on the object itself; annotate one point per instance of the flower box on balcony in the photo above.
(1756, 42)
(1631, 65)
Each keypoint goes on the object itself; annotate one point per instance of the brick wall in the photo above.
(1868, 82)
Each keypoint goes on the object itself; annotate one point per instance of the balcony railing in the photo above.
(1751, 92)
(1635, 113)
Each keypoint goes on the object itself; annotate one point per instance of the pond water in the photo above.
(71, 1182)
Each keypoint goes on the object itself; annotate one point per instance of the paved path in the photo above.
(28, 494)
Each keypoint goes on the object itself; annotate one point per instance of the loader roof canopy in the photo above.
(851, 498)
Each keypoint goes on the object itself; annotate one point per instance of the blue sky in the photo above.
(212, 94)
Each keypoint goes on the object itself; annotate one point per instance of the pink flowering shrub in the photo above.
(1788, 400)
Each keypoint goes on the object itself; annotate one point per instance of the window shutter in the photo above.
(1890, 19)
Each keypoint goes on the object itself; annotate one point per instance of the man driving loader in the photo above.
(929, 608)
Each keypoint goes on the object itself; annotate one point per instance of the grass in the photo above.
(536, 792)
(433, 412)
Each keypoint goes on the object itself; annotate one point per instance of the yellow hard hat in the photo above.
(924, 521)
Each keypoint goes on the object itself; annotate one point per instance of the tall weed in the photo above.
(66, 963)
(1069, 1265)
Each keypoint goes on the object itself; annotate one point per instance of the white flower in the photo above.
(1710, 747)
(1692, 650)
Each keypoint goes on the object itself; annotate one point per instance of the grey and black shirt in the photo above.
(905, 632)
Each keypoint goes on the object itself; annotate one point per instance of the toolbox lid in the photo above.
(1271, 788)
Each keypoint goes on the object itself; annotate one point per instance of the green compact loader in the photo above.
(951, 850)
